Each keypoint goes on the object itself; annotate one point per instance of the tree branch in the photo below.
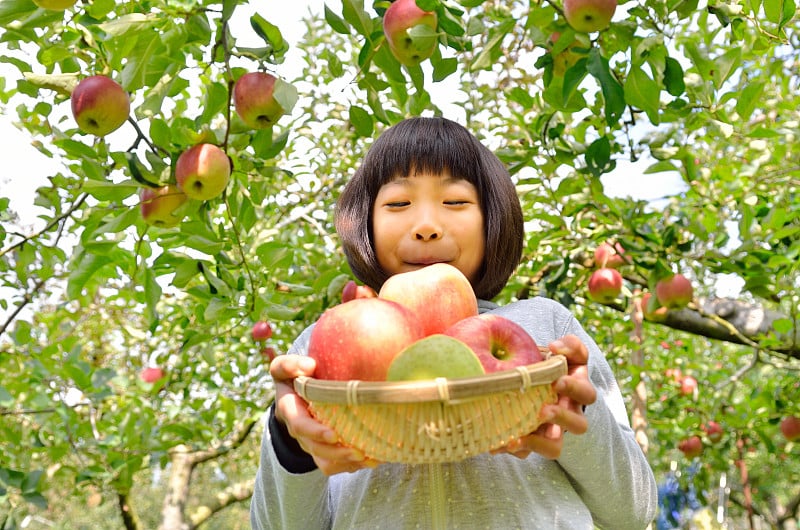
(234, 493)
(239, 435)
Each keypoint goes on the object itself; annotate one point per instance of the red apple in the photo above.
(691, 447)
(588, 16)
(605, 284)
(499, 343)
(790, 428)
(652, 310)
(688, 385)
(262, 330)
(159, 205)
(151, 374)
(410, 32)
(269, 353)
(439, 295)
(713, 430)
(674, 291)
(99, 105)
(607, 255)
(203, 171)
(254, 100)
(674, 374)
(352, 290)
(359, 339)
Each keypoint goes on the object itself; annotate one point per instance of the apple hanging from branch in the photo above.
(151, 374)
(608, 255)
(588, 16)
(605, 285)
(410, 32)
(262, 330)
(159, 206)
(99, 105)
(790, 428)
(203, 171)
(257, 99)
(691, 447)
(674, 292)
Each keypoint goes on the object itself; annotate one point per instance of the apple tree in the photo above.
(702, 96)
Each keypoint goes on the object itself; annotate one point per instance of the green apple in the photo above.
(410, 32)
(588, 16)
(99, 105)
(254, 100)
(159, 205)
(203, 171)
(435, 356)
(55, 5)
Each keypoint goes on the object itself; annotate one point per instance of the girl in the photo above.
(428, 191)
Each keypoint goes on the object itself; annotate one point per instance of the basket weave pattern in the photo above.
(443, 420)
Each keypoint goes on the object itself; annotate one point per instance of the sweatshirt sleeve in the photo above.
(606, 465)
(289, 490)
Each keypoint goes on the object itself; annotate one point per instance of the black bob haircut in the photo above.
(433, 145)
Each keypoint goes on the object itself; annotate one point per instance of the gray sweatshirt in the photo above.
(601, 480)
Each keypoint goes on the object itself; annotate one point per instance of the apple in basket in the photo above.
(435, 356)
(439, 294)
(360, 338)
(499, 343)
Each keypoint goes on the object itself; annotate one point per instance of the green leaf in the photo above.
(110, 191)
(361, 121)
(749, 97)
(643, 93)
(673, 77)
(336, 22)
(132, 22)
(443, 68)
(598, 157)
(613, 92)
(268, 31)
(152, 295)
(285, 94)
(82, 271)
(353, 12)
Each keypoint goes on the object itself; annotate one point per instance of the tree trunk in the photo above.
(173, 512)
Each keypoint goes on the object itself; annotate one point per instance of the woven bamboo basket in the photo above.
(441, 420)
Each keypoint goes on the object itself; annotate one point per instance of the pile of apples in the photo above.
(423, 324)
(100, 106)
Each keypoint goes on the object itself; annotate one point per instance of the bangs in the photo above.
(423, 145)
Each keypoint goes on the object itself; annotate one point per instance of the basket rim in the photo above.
(356, 392)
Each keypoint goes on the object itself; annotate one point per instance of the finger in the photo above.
(285, 367)
(577, 388)
(573, 421)
(571, 347)
(547, 441)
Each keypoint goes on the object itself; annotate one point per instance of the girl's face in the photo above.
(426, 219)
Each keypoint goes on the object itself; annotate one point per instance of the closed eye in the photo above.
(397, 204)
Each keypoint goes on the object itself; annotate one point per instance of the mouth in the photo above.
(424, 262)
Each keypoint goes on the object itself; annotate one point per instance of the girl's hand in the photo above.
(321, 442)
(574, 390)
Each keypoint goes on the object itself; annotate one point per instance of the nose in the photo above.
(427, 227)
(427, 233)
